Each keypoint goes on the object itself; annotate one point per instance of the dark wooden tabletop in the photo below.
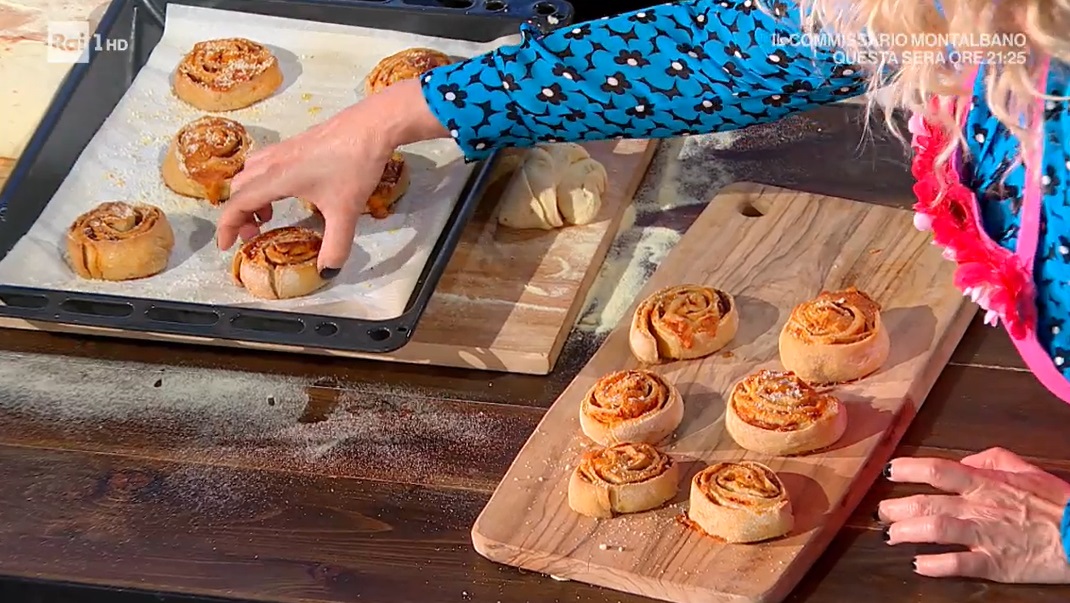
(149, 469)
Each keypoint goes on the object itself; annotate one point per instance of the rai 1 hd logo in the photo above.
(70, 41)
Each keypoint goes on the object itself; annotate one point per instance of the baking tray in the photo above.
(90, 92)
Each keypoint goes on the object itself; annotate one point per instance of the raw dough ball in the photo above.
(556, 185)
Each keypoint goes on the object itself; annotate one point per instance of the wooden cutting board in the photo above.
(508, 298)
(771, 248)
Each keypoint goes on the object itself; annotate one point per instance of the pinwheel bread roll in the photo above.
(555, 185)
(227, 74)
(834, 338)
(776, 413)
(408, 64)
(392, 185)
(740, 502)
(625, 478)
(279, 263)
(682, 322)
(631, 406)
(118, 241)
(204, 156)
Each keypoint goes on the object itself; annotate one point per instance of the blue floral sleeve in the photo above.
(681, 68)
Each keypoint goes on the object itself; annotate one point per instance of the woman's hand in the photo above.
(1004, 510)
(334, 165)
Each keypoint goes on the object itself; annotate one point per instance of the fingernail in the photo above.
(914, 564)
(329, 273)
(886, 535)
(877, 516)
(887, 473)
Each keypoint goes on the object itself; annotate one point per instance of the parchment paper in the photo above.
(323, 66)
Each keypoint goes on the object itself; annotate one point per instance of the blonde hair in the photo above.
(1014, 37)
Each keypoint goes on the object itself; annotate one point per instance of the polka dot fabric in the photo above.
(711, 66)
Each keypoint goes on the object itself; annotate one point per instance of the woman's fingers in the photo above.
(942, 474)
(1000, 459)
(242, 208)
(339, 228)
(969, 564)
(935, 529)
(920, 505)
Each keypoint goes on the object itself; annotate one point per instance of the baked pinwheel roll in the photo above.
(776, 413)
(682, 322)
(625, 478)
(631, 406)
(834, 338)
(740, 502)
(204, 156)
(227, 74)
(392, 185)
(279, 263)
(118, 241)
(408, 64)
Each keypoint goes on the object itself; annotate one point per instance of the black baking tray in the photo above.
(91, 90)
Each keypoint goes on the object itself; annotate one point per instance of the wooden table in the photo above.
(166, 502)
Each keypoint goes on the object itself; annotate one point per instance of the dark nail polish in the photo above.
(329, 273)
(887, 473)
(877, 516)
(914, 564)
(886, 535)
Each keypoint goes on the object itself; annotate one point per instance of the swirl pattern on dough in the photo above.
(834, 338)
(626, 463)
(625, 478)
(407, 64)
(223, 64)
(780, 401)
(777, 413)
(835, 318)
(630, 406)
(740, 502)
(209, 152)
(683, 322)
(280, 263)
(227, 74)
(743, 485)
(120, 241)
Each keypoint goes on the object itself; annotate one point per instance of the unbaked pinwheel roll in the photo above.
(776, 413)
(631, 406)
(555, 185)
(740, 502)
(625, 478)
(834, 338)
(682, 322)
(279, 263)
(118, 241)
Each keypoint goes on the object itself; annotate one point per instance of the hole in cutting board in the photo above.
(753, 208)
(379, 334)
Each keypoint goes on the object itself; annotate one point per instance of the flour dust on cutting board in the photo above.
(685, 173)
(207, 417)
(673, 182)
